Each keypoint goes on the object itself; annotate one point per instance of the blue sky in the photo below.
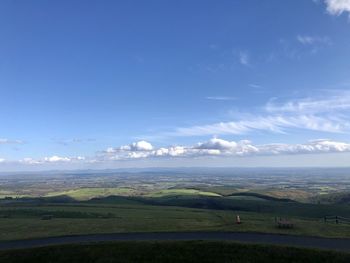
(170, 83)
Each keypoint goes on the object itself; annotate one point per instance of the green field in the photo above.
(181, 192)
(89, 193)
(185, 251)
(23, 220)
(93, 192)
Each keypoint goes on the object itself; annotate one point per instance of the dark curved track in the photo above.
(275, 239)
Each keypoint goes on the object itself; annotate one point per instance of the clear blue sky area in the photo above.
(81, 81)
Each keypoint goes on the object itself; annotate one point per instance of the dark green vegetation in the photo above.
(333, 198)
(23, 218)
(184, 251)
(276, 207)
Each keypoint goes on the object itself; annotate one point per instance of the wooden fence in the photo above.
(337, 219)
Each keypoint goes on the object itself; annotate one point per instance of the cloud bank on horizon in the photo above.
(327, 114)
(214, 147)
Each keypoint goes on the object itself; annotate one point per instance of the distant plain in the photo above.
(199, 200)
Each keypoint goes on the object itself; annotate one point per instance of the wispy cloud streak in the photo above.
(8, 141)
(220, 98)
(328, 114)
(244, 58)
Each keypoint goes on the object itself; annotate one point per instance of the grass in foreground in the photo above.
(24, 222)
(170, 251)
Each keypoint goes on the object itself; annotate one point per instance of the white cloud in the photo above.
(201, 149)
(8, 141)
(29, 160)
(135, 150)
(171, 151)
(217, 144)
(219, 147)
(135, 146)
(244, 58)
(56, 158)
(316, 146)
(220, 98)
(274, 123)
(141, 146)
(67, 142)
(337, 102)
(313, 43)
(214, 147)
(255, 86)
(224, 147)
(313, 40)
(337, 7)
(52, 159)
(330, 113)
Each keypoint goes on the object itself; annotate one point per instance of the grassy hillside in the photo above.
(95, 192)
(334, 198)
(302, 195)
(186, 251)
(89, 193)
(181, 192)
(124, 214)
(242, 203)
